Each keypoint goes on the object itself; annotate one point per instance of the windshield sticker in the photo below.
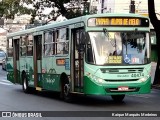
(67, 64)
(43, 70)
(127, 58)
(135, 60)
(115, 59)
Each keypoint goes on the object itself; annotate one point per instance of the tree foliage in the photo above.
(156, 23)
(9, 8)
(63, 7)
(67, 8)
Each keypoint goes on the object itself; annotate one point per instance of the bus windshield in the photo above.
(120, 47)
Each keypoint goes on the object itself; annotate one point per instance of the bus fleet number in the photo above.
(137, 75)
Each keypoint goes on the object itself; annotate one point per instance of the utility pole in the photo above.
(132, 7)
(102, 6)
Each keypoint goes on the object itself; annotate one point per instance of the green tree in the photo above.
(9, 8)
(65, 8)
(156, 23)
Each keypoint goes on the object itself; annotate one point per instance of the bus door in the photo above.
(77, 67)
(16, 69)
(37, 61)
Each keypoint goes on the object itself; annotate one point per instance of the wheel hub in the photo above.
(24, 84)
(66, 89)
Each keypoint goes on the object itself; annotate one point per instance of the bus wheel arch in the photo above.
(65, 87)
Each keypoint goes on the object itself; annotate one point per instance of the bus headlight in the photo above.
(97, 79)
(144, 78)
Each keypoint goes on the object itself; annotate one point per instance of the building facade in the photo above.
(12, 26)
(122, 6)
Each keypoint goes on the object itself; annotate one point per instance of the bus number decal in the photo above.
(50, 80)
(137, 75)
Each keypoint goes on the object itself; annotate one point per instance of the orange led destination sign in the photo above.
(118, 21)
(60, 61)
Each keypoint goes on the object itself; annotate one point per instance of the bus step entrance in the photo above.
(78, 89)
(38, 88)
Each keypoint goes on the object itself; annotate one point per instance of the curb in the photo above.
(156, 86)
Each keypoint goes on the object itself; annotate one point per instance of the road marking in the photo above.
(6, 82)
(141, 96)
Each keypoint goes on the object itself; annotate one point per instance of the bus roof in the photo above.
(69, 22)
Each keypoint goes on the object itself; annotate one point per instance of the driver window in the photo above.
(89, 53)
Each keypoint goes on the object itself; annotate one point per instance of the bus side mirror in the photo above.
(6, 58)
(84, 38)
(83, 42)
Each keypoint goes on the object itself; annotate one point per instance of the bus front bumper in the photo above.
(92, 88)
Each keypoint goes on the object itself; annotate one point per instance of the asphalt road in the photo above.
(12, 98)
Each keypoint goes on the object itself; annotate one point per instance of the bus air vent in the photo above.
(121, 70)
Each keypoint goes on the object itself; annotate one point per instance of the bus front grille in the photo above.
(121, 70)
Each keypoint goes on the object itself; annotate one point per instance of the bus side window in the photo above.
(10, 47)
(66, 43)
(23, 46)
(54, 43)
(48, 43)
(30, 45)
(62, 46)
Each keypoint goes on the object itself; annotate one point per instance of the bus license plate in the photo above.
(122, 88)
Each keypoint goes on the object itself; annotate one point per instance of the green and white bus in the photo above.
(100, 54)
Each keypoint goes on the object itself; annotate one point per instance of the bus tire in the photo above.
(65, 90)
(25, 87)
(118, 98)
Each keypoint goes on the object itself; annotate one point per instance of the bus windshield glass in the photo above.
(120, 47)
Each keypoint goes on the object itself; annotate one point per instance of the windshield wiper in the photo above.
(106, 33)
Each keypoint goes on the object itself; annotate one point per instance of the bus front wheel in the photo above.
(25, 87)
(66, 92)
(65, 88)
(118, 98)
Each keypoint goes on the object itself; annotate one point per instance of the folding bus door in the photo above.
(16, 68)
(37, 61)
(77, 60)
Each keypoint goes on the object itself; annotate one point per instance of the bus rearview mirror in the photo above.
(84, 38)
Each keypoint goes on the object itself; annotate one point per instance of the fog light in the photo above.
(144, 78)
